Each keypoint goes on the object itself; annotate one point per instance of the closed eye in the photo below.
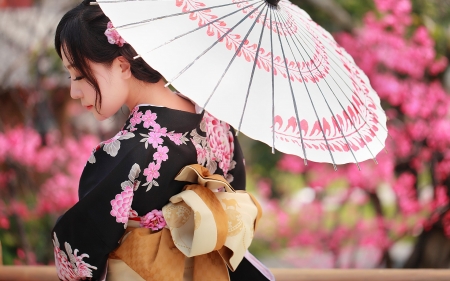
(76, 78)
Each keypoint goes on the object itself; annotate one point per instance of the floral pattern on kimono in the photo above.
(216, 148)
(70, 266)
(133, 174)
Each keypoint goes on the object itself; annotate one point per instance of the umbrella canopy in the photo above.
(262, 66)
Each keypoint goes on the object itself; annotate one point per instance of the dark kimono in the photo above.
(133, 174)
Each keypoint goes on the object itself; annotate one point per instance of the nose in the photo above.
(75, 92)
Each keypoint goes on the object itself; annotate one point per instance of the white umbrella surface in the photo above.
(262, 66)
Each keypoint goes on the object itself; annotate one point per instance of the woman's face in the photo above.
(114, 89)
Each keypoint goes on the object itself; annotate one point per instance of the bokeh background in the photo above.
(392, 214)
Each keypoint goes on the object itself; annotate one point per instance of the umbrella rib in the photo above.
(295, 102)
(253, 72)
(193, 30)
(165, 16)
(340, 67)
(312, 104)
(362, 117)
(234, 57)
(210, 47)
(332, 91)
(323, 96)
(273, 84)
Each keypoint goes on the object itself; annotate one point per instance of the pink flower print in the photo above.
(154, 139)
(71, 267)
(152, 172)
(202, 153)
(158, 130)
(121, 205)
(136, 119)
(153, 220)
(220, 140)
(176, 138)
(161, 154)
(149, 119)
(134, 110)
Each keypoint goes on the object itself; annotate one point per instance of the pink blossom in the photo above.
(406, 193)
(161, 154)
(149, 119)
(57, 193)
(438, 66)
(114, 36)
(154, 139)
(441, 197)
(23, 143)
(159, 130)
(446, 223)
(175, 137)
(202, 153)
(152, 172)
(136, 119)
(264, 188)
(3, 147)
(121, 205)
(291, 163)
(153, 220)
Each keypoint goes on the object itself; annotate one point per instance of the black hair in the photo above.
(81, 36)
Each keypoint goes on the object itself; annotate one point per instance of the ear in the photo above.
(125, 66)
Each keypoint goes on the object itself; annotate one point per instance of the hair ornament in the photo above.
(114, 36)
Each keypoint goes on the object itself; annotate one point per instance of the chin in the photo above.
(100, 117)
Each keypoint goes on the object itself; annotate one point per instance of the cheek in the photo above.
(113, 97)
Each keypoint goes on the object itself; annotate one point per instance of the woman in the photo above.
(130, 177)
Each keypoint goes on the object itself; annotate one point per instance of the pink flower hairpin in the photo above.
(114, 36)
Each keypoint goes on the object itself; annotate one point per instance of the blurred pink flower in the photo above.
(291, 163)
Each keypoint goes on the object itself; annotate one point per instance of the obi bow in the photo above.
(213, 228)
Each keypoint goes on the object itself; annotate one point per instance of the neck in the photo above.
(156, 94)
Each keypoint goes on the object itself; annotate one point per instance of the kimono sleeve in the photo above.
(85, 235)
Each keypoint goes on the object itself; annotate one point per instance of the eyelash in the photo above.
(76, 78)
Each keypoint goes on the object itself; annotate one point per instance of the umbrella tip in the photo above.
(273, 2)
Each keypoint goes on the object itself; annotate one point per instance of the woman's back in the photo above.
(133, 174)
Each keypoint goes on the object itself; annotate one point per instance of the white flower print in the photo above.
(132, 178)
(71, 266)
(92, 159)
(112, 145)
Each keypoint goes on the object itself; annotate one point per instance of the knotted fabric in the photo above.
(215, 228)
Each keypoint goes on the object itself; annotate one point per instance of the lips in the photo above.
(88, 107)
